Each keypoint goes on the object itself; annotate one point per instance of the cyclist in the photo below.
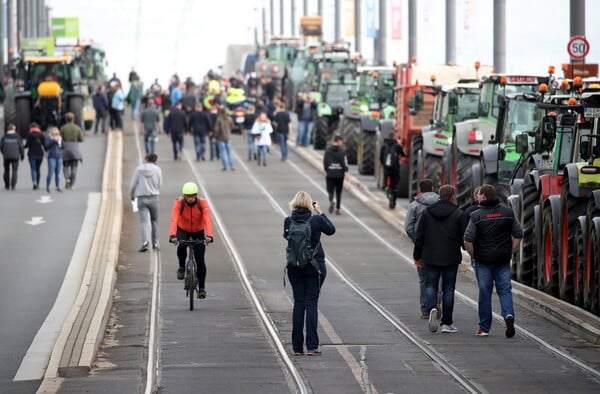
(190, 219)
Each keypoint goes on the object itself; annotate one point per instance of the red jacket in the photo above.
(191, 219)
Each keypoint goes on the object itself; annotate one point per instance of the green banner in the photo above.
(65, 27)
(41, 46)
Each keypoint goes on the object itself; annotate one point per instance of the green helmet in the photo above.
(189, 188)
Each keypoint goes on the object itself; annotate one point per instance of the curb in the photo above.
(569, 317)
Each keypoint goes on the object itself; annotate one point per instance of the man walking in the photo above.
(11, 146)
(222, 134)
(150, 120)
(425, 198)
(176, 126)
(283, 124)
(72, 136)
(335, 164)
(100, 101)
(200, 126)
(438, 240)
(492, 237)
(145, 186)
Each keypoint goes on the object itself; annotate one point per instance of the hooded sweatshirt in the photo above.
(146, 181)
(439, 234)
(415, 209)
(334, 162)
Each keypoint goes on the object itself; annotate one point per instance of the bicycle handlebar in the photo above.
(191, 242)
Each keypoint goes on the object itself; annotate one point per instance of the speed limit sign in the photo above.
(578, 47)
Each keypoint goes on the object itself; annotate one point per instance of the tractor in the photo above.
(275, 62)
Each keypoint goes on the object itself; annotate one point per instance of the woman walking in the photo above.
(262, 127)
(54, 147)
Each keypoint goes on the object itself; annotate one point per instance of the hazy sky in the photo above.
(160, 37)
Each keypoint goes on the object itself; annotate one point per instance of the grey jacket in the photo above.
(146, 181)
(11, 146)
(415, 209)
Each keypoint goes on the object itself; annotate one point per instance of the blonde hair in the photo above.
(53, 130)
(301, 200)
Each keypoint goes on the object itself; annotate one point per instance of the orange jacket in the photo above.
(191, 219)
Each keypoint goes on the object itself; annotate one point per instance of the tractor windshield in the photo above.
(492, 91)
(380, 87)
(281, 53)
(467, 104)
(337, 94)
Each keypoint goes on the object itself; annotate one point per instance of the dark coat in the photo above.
(334, 162)
(35, 144)
(11, 146)
(318, 224)
(200, 123)
(439, 235)
(176, 122)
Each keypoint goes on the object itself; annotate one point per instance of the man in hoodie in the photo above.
(336, 170)
(389, 157)
(11, 146)
(145, 186)
(72, 137)
(425, 198)
(438, 240)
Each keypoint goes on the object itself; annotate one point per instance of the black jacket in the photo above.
(11, 146)
(200, 123)
(35, 144)
(176, 121)
(396, 150)
(439, 235)
(334, 162)
(318, 224)
(491, 229)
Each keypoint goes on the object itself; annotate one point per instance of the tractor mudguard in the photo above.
(430, 142)
(23, 95)
(513, 202)
(554, 203)
(386, 125)
(323, 109)
(596, 198)
(535, 175)
(516, 186)
(476, 176)
(572, 171)
(368, 124)
(490, 159)
(349, 113)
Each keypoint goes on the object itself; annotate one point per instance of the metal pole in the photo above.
(338, 24)
(20, 22)
(293, 17)
(264, 25)
(382, 33)
(35, 20)
(500, 35)
(281, 23)
(357, 26)
(1, 34)
(577, 17)
(320, 7)
(412, 30)
(272, 16)
(305, 7)
(450, 31)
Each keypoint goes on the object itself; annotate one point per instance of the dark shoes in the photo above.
(331, 206)
(510, 326)
(144, 246)
(155, 246)
(180, 273)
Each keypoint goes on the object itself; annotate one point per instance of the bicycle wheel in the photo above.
(191, 272)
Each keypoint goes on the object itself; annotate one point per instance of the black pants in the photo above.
(198, 254)
(335, 185)
(10, 181)
(391, 182)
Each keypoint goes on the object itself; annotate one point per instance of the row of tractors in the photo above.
(43, 89)
(536, 138)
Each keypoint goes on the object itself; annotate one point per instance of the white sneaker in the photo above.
(449, 328)
(433, 323)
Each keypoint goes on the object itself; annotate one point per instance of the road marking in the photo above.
(45, 199)
(35, 220)
(37, 357)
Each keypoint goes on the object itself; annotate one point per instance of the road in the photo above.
(238, 339)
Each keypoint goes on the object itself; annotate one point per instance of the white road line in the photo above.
(37, 357)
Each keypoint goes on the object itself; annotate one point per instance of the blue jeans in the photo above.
(262, 153)
(304, 132)
(306, 288)
(54, 167)
(487, 276)
(214, 153)
(200, 146)
(35, 163)
(251, 144)
(433, 274)
(283, 145)
(423, 291)
(177, 140)
(226, 154)
(149, 141)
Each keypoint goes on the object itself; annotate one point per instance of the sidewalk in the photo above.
(566, 316)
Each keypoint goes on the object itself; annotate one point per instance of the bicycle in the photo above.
(190, 280)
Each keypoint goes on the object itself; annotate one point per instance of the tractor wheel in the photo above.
(75, 105)
(403, 188)
(288, 94)
(367, 161)
(447, 167)
(524, 259)
(591, 296)
(464, 192)
(571, 208)
(548, 259)
(23, 115)
(433, 170)
(10, 109)
(278, 87)
(350, 133)
(579, 252)
(416, 145)
(321, 133)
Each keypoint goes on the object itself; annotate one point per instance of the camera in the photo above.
(314, 203)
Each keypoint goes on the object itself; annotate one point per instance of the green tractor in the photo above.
(275, 62)
(45, 88)
(330, 103)
(372, 91)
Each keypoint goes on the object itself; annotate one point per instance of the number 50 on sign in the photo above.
(578, 47)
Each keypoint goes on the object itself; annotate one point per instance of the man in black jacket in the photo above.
(492, 237)
(176, 127)
(336, 170)
(200, 126)
(438, 240)
(11, 146)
